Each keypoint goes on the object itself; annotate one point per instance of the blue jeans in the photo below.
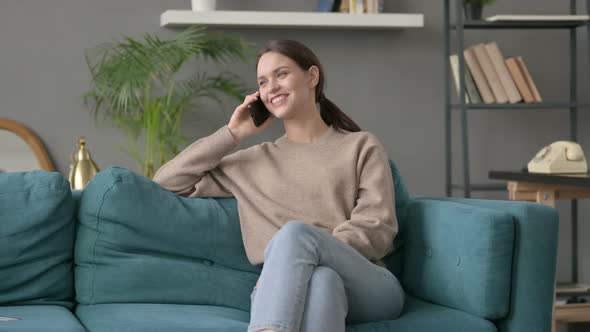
(312, 281)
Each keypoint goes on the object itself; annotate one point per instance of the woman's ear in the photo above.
(314, 76)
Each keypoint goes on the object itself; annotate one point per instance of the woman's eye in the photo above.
(281, 74)
(261, 83)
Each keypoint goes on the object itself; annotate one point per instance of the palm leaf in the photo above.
(134, 84)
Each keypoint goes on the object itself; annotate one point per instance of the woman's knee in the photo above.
(294, 228)
(294, 234)
(325, 279)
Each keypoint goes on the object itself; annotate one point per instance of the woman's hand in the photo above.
(257, 281)
(241, 124)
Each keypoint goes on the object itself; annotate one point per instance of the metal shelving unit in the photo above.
(563, 313)
(459, 27)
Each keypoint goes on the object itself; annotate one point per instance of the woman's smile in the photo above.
(279, 100)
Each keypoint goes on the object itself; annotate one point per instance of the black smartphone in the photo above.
(258, 112)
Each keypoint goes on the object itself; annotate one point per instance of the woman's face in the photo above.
(284, 86)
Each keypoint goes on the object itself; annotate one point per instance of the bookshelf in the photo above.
(564, 313)
(459, 28)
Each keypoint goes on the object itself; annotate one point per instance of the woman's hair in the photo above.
(305, 58)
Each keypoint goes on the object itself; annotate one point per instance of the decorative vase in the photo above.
(472, 11)
(83, 168)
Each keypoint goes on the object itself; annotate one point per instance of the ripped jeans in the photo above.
(311, 281)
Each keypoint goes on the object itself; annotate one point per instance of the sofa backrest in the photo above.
(36, 239)
(137, 242)
(402, 197)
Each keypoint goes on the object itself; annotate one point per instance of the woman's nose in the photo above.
(273, 85)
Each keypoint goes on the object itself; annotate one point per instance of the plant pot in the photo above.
(472, 11)
(203, 5)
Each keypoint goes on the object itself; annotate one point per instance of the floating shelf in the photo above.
(257, 19)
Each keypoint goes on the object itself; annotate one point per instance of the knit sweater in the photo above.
(341, 182)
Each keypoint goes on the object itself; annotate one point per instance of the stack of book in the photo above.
(351, 6)
(571, 293)
(492, 79)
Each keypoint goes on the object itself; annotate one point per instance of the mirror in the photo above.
(21, 149)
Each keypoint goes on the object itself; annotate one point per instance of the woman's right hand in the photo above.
(241, 124)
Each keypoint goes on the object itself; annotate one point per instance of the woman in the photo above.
(316, 206)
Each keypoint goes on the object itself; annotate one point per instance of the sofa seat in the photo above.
(147, 317)
(418, 316)
(39, 318)
(421, 316)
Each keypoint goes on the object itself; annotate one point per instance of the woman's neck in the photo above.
(305, 130)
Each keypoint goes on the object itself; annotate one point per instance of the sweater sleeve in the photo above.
(373, 224)
(201, 169)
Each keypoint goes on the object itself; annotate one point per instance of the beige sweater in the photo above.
(340, 182)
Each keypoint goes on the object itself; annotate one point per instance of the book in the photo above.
(497, 60)
(519, 80)
(454, 60)
(529, 80)
(356, 6)
(490, 73)
(478, 77)
(537, 18)
(471, 95)
(561, 300)
(344, 8)
(371, 6)
(474, 96)
(568, 288)
(326, 6)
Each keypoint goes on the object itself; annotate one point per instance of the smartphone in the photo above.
(259, 112)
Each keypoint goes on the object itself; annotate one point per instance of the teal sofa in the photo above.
(126, 255)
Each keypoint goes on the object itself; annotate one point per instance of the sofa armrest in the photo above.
(458, 256)
(533, 262)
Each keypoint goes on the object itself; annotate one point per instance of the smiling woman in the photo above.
(21, 149)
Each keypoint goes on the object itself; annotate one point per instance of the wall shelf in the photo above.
(257, 19)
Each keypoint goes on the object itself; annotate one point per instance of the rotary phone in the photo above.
(559, 157)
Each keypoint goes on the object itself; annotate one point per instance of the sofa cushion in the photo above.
(37, 236)
(421, 316)
(138, 242)
(39, 318)
(458, 256)
(145, 317)
(418, 316)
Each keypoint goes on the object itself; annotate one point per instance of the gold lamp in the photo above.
(83, 167)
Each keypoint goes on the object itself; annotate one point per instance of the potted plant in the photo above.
(135, 85)
(474, 8)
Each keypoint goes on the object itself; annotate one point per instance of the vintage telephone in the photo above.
(559, 157)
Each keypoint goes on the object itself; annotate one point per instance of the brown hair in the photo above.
(305, 58)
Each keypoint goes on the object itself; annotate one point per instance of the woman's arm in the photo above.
(201, 169)
(373, 224)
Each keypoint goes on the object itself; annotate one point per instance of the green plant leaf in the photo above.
(134, 84)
